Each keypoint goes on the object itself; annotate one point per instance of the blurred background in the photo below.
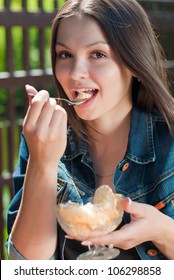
(25, 59)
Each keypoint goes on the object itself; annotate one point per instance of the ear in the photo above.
(135, 76)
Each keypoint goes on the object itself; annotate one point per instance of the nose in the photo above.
(79, 69)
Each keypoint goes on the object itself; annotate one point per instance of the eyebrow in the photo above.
(87, 46)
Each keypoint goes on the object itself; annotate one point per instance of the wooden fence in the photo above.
(34, 69)
(13, 77)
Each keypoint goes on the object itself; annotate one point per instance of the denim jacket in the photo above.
(146, 175)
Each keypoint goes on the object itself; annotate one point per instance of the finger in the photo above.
(30, 89)
(47, 113)
(117, 236)
(135, 208)
(59, 119)
(69, 237)
(125, 237)
(37, 104)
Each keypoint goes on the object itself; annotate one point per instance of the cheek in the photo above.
(112, 72)
(61, 74)
(120, 78)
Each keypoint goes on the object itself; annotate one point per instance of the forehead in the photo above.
(82, 29)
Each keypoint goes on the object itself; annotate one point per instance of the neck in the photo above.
(107, 132)
(108, 149)
(112, 124)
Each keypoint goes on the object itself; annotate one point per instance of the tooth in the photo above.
(84, 90)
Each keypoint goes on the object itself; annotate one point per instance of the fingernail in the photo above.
(86, 243)
(128, 200)
(68, 237)
(27, 86)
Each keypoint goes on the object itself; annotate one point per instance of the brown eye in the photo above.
(98, 54)
(64, 55)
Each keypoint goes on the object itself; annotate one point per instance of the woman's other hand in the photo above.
(147, 224)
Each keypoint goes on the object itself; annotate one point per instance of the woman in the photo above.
(122, 136)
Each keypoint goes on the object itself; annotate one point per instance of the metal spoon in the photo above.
(75, 102)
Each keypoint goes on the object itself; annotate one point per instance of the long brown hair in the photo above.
(130, 35)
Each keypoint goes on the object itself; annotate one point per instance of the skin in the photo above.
(143, 218)
(84, 60)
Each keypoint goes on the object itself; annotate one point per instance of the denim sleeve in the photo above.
(18, 180)
(13, 253)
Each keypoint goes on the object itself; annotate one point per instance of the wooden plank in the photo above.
(162, 19)
(8, 81)
(26, 19)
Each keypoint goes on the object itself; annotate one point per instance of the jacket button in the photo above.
(152, 252)
(125, 166)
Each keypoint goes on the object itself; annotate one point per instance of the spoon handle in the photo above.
(71, 103)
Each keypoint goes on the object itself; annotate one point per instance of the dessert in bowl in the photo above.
(101, 217)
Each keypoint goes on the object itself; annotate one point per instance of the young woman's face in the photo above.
(86, 63)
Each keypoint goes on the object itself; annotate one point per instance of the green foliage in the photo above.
(2, 49)
(32, 5)
(17, 47)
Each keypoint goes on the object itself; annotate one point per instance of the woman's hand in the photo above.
(45, 128)
(147, 224)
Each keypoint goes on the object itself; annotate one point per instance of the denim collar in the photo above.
(75, 146)
(140, 144)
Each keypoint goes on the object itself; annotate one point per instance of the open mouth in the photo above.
(85, 93)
